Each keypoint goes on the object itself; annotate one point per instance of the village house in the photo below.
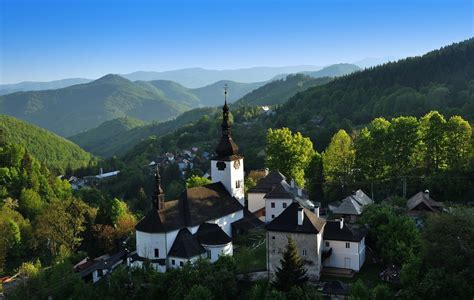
(321, 243)
(201, 222)
(422, 203)
(350, 208)
(273, 194)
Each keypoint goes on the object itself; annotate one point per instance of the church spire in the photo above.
(226, 147)
(158, 194)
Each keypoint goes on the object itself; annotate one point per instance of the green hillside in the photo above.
(335, 70)
(279, 91)
(54, 151)
(440, 80)
(212, 95)
(73, 109)
(117, 136)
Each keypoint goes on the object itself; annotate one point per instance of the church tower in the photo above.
(228, 166)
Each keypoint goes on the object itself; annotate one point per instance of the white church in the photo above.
(201, 222)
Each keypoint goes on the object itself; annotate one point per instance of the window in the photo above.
(348, 245)
(273, 237)
(208, 254)
(304, 252)
(272, 205)
(273, 216)
(173, 262)
(284, 205)
(327, 244)
(237, 184)
(157, 252)
(181, 263)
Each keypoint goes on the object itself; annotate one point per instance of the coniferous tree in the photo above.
(292, 271)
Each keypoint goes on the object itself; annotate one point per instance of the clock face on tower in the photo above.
(236, 164)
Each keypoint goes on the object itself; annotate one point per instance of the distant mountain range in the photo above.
(38, 86)
(190, 78)
(74, 109)
(70, 110)
(198, 77)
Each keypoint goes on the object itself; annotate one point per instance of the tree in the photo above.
(314, 175)
(292, 271)
(195, 181)
(30, 203)
(459, 134)
(288, 153)
(435, 140)
(338, 159)
(199, 292)
(402, 145)
(394, 236)
(61, 224)
(359, 291)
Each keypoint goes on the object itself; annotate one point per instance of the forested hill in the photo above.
(73, 109)
(117, 136)
(279, 91)
(54, 151)
(440, 80)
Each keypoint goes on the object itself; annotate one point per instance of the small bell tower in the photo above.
(158, 194)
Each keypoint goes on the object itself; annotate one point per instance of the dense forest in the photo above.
(440, 80)
(41, 218)
(116, 137)
(52, 150)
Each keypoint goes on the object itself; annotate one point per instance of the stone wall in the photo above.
(307, 245)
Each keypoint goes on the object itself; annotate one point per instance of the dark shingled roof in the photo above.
(424, 198)
(186, 245)
(167, 219)
(287, 221)
(267, 183)
(349, 232)
(196, 206)
(212, 234)
(278, 192)
(204, 203)
(248, 222)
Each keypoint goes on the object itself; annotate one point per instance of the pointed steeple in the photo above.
(226, 147)
(158, 194)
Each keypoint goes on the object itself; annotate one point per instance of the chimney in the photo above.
(300, 192)
(101, 171)
(292, 182)
(300, 216)
(341, 223)
(316, 211)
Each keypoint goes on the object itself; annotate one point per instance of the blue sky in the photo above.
(47, 40)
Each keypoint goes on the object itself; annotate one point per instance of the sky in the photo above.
(42, 40)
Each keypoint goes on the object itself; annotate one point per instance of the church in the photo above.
(201, 222)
